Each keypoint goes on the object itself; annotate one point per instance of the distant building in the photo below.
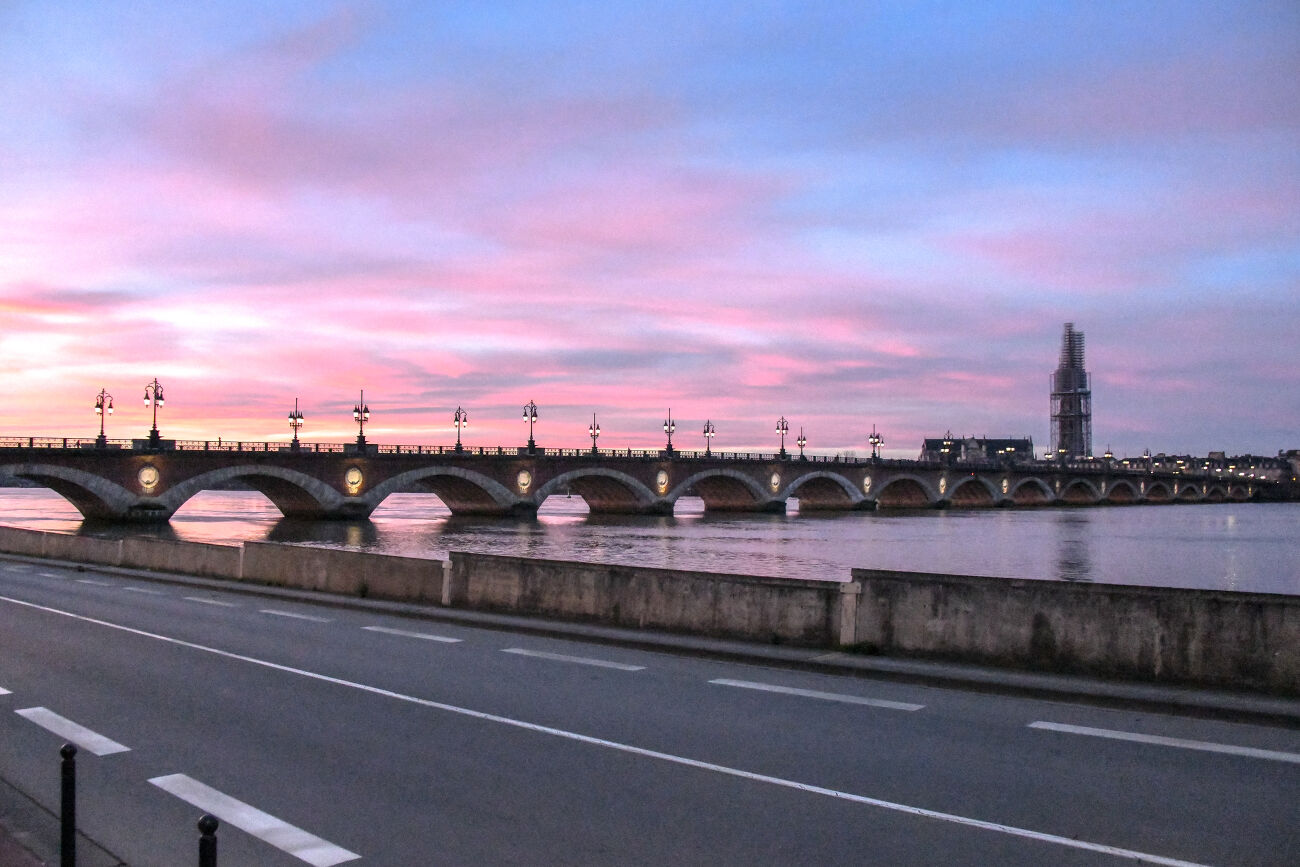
(950, 449)
(1071, 400)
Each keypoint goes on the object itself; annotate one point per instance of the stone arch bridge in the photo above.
(127, 482)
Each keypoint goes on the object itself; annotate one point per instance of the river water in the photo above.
(1231, 546)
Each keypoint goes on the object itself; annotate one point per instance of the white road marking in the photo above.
(148, 590)
(294, 615)
(4, 691)
(580, 660)
(93, 581)
(211, 601)
(1159, 740)
(265, 827)
(1024, 833)
(51, 575)
(826, 696)
(427, 636)
(78, 734)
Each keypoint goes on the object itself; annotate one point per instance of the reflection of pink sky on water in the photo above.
(1249, 547)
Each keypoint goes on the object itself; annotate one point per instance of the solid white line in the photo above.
(294, 615)
(283, 836)
(93, 581)
(211, 601)
(1158, 740)
(580, 660)
(67, 729)
(427, 636)
(144, 590)
(1024, 833)
(812, 693)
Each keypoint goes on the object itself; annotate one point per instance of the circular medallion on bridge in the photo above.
(661, 481)
(353, 478)
(148, 477)
(776, 481)
(1006, 485)
(943, 486)
(524, 479)
(866, 485)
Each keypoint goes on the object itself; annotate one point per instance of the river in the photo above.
(1230, 546)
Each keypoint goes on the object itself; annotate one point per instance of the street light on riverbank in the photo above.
(103, 406)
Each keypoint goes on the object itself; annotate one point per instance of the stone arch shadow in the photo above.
(906, 492)
(607, 491)
(464, 492)
(295, 494)
(823, 491)
(95, 497)
(726, 490)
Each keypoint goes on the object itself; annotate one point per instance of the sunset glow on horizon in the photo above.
(844, 214)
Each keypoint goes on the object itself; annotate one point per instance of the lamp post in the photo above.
(103, 406)
(593, 432)
(876, 441)
(361, 415)
(782, 428)
(295, 422)
(461, 420)
(802, 441)
(530, 416)
(709, 434)
(153, 396)
(669, 427)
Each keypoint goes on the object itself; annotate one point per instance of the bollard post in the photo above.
(68, 807)
(208, 840)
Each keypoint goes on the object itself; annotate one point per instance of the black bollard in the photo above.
(208, 840)
(68, 808)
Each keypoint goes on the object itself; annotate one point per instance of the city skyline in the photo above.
(846, 216)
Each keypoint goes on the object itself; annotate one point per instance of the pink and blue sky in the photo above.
(844, 213)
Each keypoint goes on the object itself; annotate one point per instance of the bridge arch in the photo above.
(1031, 492)
(1158, 492)
(1238, 493)
(95, 497)
(906, 492)
(607, 491)
(822, 490)
(972, 492)
(1186, 493)
(726, 490)
(295, 494)
(1122, 491)
(464, 492)
(1079, 492)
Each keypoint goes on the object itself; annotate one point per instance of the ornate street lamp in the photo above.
(461, 420)
(802, 441)
(530, 416)
(876, 441)
(361, 415)
(669, 427)
(783, 428)
(709, 434)
(593, 432)
(103, 406)
(295, 422)
(153, 396)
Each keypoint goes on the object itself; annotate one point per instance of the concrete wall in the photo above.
(29, 543)
(760, 609)
(189, 558)
(352, 573)
(1219, 638)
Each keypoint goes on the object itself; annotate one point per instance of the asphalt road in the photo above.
(326, 735)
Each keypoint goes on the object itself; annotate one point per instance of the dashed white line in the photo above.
(629, 749)
(294, 615)
(265, 827)
(148, 590)
(67, 729)
(211, 601)
(406, 633)
(1159, 740)
(96, 583)
(824, 696)
(579, 660)
(4, 691)
(51, 575)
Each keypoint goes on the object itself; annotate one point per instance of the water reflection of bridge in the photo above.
(131, 481)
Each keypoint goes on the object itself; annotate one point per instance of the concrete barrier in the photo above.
(16, 540)
(188, 558)
(1204, 637)
(82, 549)
(736, 606)
(353, 573)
